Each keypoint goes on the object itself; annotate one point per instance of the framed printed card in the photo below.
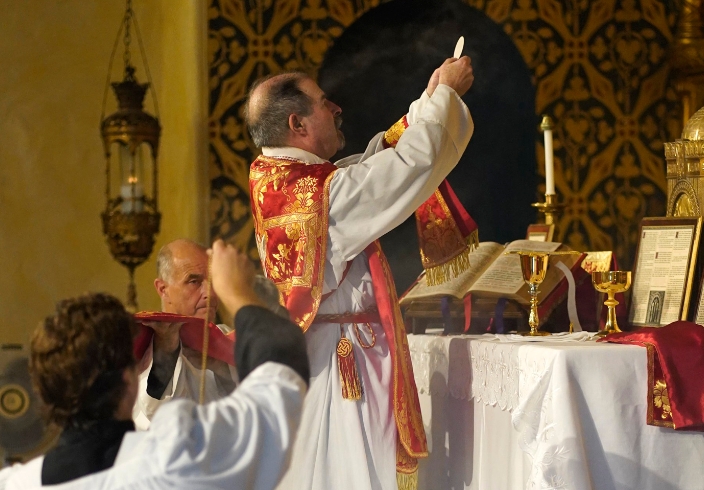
(699, 312)
(664, 269)
(540, 232)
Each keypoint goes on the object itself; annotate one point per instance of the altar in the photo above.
(562, 412)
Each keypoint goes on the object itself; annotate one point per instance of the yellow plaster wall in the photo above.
(53, 63)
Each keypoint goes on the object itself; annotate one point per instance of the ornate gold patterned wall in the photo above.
(600, 71)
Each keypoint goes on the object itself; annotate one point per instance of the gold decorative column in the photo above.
(687, 57)
(685, 169)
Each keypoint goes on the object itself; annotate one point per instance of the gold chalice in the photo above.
(611, 282)
(534, 266)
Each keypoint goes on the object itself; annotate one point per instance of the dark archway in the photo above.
(383, 61)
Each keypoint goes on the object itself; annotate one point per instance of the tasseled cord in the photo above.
(407, 481)
(349, 378)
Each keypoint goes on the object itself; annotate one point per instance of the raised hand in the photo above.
(435, 78)
(456, 74)
(233, 277)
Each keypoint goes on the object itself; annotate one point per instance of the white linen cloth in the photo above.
(220, 380)
(242, 441)
(580, 336)
(351, 445)
(547, 414)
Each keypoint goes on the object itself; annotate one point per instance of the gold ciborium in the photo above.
(611, 282)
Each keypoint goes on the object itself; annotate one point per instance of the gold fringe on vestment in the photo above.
(455, 266)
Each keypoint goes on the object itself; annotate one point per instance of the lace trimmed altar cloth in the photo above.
(507, 412)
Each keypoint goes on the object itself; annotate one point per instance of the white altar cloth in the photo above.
(558, 413)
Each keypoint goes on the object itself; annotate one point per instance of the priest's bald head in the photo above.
(182, 269)
(290, 109)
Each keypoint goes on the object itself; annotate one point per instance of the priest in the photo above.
(317, 226)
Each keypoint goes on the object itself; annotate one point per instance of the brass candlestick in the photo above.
(551, 208)
(611, 282)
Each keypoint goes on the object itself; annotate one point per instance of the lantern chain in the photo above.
(129, 71)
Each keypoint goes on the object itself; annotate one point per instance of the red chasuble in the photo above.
(290, 203)
(675, 368)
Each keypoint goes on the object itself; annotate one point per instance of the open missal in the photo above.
(493, 274)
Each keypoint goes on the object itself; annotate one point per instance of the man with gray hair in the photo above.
(316, 225)
(169, 369)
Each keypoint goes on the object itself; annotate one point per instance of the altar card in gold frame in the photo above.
(664, 269)
(540, 232)
(699, 313)
(699, 316)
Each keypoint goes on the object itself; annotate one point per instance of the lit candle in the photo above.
(132, 195)
(546, 126)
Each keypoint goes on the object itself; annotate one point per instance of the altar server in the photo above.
(167, 368)
(82, 365)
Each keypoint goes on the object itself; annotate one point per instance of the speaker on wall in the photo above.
(23, 433)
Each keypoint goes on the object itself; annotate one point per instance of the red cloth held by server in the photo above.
(220, 345)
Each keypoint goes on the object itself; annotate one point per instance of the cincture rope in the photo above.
(206, 333)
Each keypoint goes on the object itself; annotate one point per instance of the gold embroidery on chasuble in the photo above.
(290, 203)
(441, 237)
(446, 239)
(661, 400)
(659, 411)
(393, 134)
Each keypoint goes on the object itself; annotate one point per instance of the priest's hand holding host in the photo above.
(456, 73)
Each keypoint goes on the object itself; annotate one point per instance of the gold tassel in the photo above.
(455, 266)
(473, 240)
(407, 481)
(349, 378)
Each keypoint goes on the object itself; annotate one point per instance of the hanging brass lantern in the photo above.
(131, 142)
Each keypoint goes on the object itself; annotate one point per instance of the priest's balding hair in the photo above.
(165, 257)
(270, 102)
